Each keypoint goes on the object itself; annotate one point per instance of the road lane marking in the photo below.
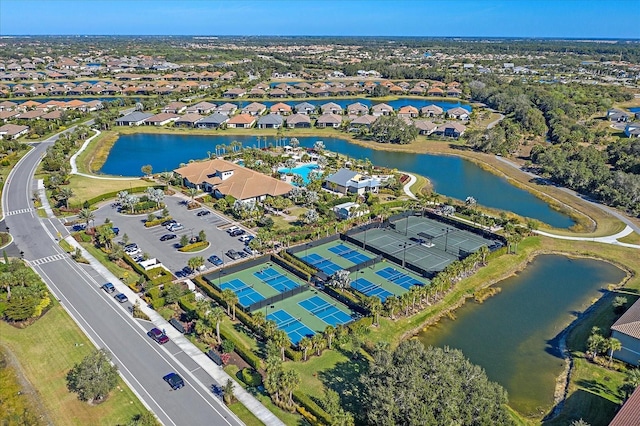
(20, 211)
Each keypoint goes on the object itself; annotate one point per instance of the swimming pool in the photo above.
(303, 171)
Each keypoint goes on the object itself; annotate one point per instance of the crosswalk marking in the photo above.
(47, 259)
(20, 211)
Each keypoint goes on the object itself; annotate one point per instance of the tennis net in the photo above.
(320, 309)
(287, 323)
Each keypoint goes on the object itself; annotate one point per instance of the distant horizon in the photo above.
(540, 19)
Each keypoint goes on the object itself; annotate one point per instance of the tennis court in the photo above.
(350, 254)
(294, 327)
(319, 262)
(398, 277)
(246, 294)
(327, 312)
(368, 288)
(275, 279)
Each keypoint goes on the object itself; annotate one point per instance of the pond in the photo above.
(451, 176)
(513, 335)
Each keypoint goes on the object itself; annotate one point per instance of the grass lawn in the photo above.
(47, 350)
(126, 275)
(422, 185)
(632, 238)
(17, 402)
(245, 415)
(85, 188)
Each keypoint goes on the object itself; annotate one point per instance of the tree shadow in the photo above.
(344, 379)
(585, 405)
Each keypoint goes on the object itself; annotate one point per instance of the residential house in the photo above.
(53, 115)
(32, 115)
(425, 127)
(201, 108)
(280, 108)
(235, 93)
(431, 111)
(408, 111)
(347, 181)
(331, 108)
(627, 330)
(277, 93)
(241, 121)
(297, 93)
(381, 109)
(189, 120)
(7, 105)
(270, 121)
(223, 178)
(175, 108)
(135, 118)
(435, 91)
(451, 130)
(632, 130)
(94, 105)
(161, 119)
(629, 414)
(458, 113)
(357, 108)
(298, 121)
(329, 120)
(257, 93)
(304, 108)
(8, 115)
(363, 121)
(349, 210)
(227, 108)
(417, 90)
(617, 115)
(213, 121)
(254, 108)
(454, 92)
(13, 131)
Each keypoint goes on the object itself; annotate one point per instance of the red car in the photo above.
(157, 335)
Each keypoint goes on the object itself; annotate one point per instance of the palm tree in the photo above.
(374, 305)
(215, 316)
(318, 343)
(269, 328)
(329, 333)
(392, 304)
(227, 297)
(65, 194)
(290, 380)
(613, 345)
(304, 344)
(86, 215)
(195, 263)
(105, 236)
(192, 192)
(204, 329)
(281, 340)
(258, 318)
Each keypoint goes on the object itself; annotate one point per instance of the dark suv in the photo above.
(174, 380)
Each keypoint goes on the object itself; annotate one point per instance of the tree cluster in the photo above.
(414, 385)
(93, 377)
(25, 294)
(393, 129)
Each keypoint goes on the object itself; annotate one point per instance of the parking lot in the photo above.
(148, 239)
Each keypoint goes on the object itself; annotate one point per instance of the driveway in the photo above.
(148, 239)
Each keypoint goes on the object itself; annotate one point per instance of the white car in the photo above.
(233, 228)
(175, 227)
(245, 238)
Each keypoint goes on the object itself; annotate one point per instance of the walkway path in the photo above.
(408, 185)
(74, 166)
(611, 239)
(495, 122)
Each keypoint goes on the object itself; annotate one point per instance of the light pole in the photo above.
(404, 252)
(265, 310)
(446, 238)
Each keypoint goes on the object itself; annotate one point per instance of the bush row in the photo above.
(150, 223)
(155, 276)
(245, 353)
(313, 408)
(191, 247)
(296, 263)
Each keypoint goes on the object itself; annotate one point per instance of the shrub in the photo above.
(155, 222)
(244, 352)
(251, 377)
(293, 354)
(194, 246)
(228, 346)
(311, 407)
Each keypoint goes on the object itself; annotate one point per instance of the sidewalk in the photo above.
(42, 193)
(215, 371)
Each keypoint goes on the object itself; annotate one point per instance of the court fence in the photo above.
(277, 298)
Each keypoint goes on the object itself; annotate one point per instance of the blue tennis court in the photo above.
(246, 294)
(368, 288)
(398, 277)
(350, 254)
(325, 265)
(276, 280)
(325, 311)
(294, 328)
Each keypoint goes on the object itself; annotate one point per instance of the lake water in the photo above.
(451, 176)
(512, 335)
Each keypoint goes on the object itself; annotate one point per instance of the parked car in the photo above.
(242, 254)
(121, 298)
(158, 335)
(115, 230)
(215, 260)
(233, 254)
(108, 287)
(237, 232)
(174, 380)
(167, 237)
(232, 229)
(168, 222)
(79, 227)
(245, 238)
(187, 270)
(249, 251)
(203, 213)
(175, 227)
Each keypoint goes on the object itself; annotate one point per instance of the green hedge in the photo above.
(312, 407)
(150, 223)
(187, 303)
(155, 276)
(114, 194)
(250, 377)
(190, 247)
(245, 353)
(166, 277)
(393, 204)
(293, 354)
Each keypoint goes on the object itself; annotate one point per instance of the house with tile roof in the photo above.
(331, 108)
(280, 108)
(298, 121)
(254, 108)
(188, 120)
(431, 111)
(450, 130)
(202, 108)
(329, 120)
(357, 108)
(241, 121)
(227, 108)
(629, 414)
(304, 108)
(222, 178)
(425, 127)
(161, 119)
(13, 131)
(458, 113)
(381, 109)
(627, 331)
(408, 111)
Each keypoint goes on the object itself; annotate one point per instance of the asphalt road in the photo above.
(108, 324)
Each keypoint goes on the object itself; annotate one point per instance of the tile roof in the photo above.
(243, 184)
(629, 414)
(629, 322)
(242, 119)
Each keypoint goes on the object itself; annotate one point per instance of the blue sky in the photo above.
(463, 18)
